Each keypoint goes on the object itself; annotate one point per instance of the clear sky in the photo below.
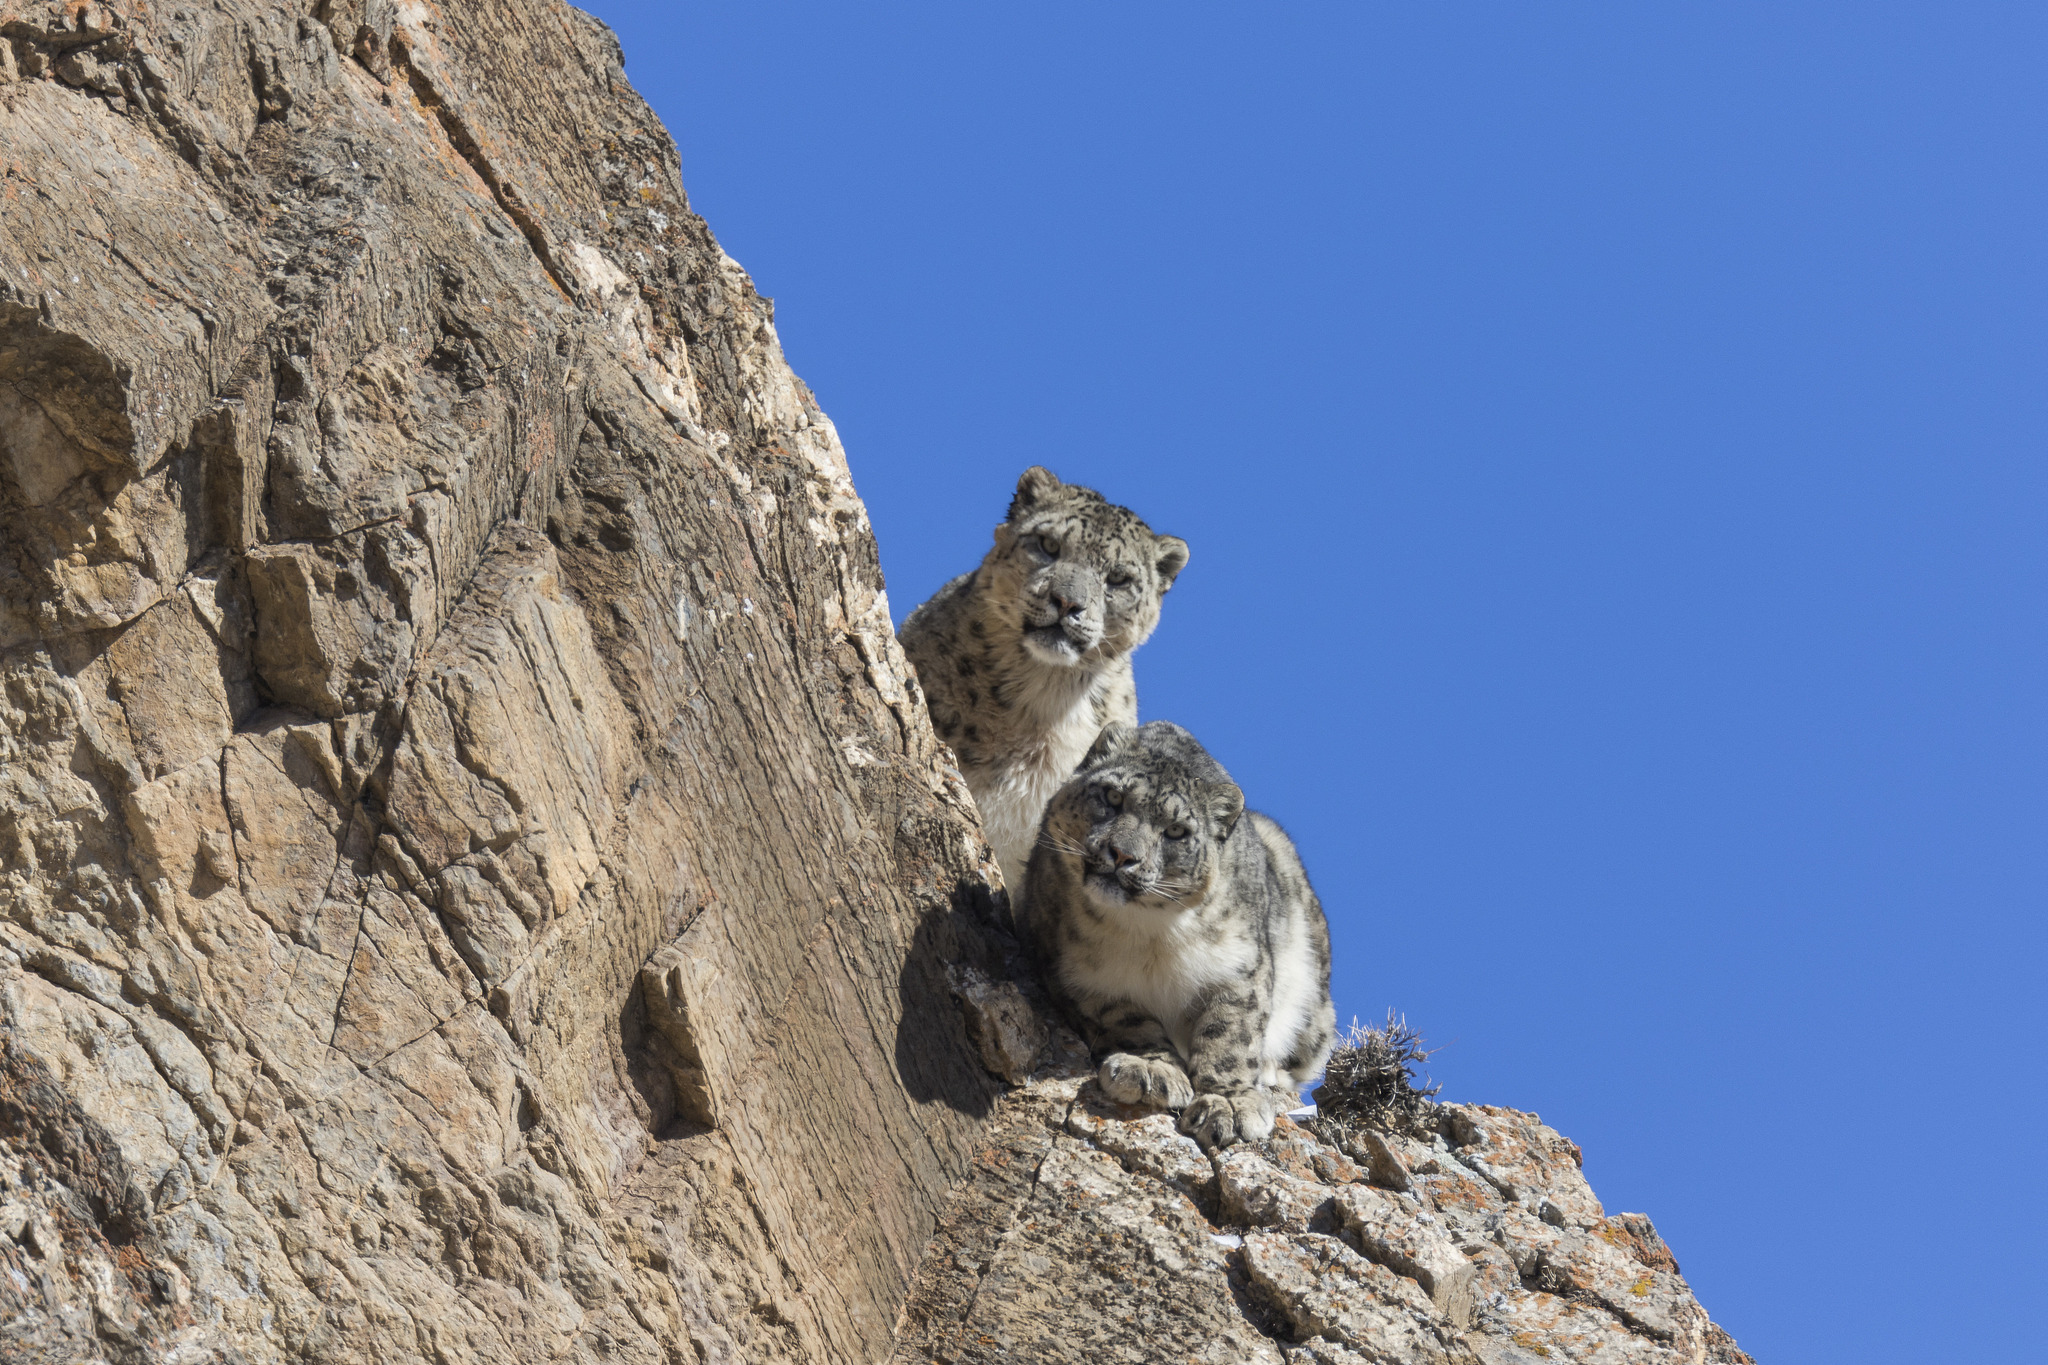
(1611, 439)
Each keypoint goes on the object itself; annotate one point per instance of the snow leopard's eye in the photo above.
(1176, 831)
(1113, 797)
(1050, 544)
(1119, 577)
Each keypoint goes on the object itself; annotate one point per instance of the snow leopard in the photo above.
(1180, 931)
(1024, 660)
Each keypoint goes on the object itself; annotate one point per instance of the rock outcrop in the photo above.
(1097, 1234)
(477, 880)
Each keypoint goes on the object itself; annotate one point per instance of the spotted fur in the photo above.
(1181, 932)
(1024, 660)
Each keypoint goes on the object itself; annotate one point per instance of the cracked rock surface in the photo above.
(477, 879)
(477, 882)
(1093, 1232)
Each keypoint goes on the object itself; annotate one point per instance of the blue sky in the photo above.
(1611, 439)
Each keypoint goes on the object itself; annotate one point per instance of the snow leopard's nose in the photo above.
(1122, 856)
(1071, 589)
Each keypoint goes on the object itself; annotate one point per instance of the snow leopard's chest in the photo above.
(1012, 791)
(1165, 971)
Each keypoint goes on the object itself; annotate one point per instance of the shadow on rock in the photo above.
(935, 1058)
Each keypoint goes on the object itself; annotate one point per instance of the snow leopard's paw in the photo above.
(1130, 1079)
(1219, 1120)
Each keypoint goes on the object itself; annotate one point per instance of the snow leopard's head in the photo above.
(1144, 819)
(1084, 576)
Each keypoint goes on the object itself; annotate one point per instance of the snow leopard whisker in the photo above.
(1058, 845)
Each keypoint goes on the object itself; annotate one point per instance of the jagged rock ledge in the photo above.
(1096, 1233)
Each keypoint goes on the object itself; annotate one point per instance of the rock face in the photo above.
(477, 879)
(1093, 1233)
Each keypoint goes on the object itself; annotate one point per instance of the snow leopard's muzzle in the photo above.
(1122, 862)
(1063, 613)
(1115, 876)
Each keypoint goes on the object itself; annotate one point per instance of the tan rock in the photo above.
(1526, 1161)
(431, 602)
(1257, 1194)
(1146, 1142)
(1325, 1289)
(1399, 1233)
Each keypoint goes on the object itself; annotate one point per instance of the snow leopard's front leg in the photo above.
(1141, 1066)
(1230, 1105)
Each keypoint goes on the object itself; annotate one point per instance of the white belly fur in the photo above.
(1159, 965)
(1165, 972)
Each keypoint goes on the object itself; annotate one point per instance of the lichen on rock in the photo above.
(1288, 1246)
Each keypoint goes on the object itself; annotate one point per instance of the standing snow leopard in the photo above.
(1181, 932)
(1024, 660)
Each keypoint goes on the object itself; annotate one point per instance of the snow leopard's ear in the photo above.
(1036, 484)
(1173, 557)
(1226, 803)
(1115, 740)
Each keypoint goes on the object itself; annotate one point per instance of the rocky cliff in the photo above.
(1089, 1233)
(477, 882)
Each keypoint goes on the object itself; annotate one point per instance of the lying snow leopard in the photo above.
(1181, 932)
(1024, 660)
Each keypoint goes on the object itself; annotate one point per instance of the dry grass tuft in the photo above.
(1370, 1082)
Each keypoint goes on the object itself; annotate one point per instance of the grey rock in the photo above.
(1007, 1032)
(1146, 1143)
(1257, 1194)
(1527, 1162)
(1320, 1351)
(1098, 1265)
